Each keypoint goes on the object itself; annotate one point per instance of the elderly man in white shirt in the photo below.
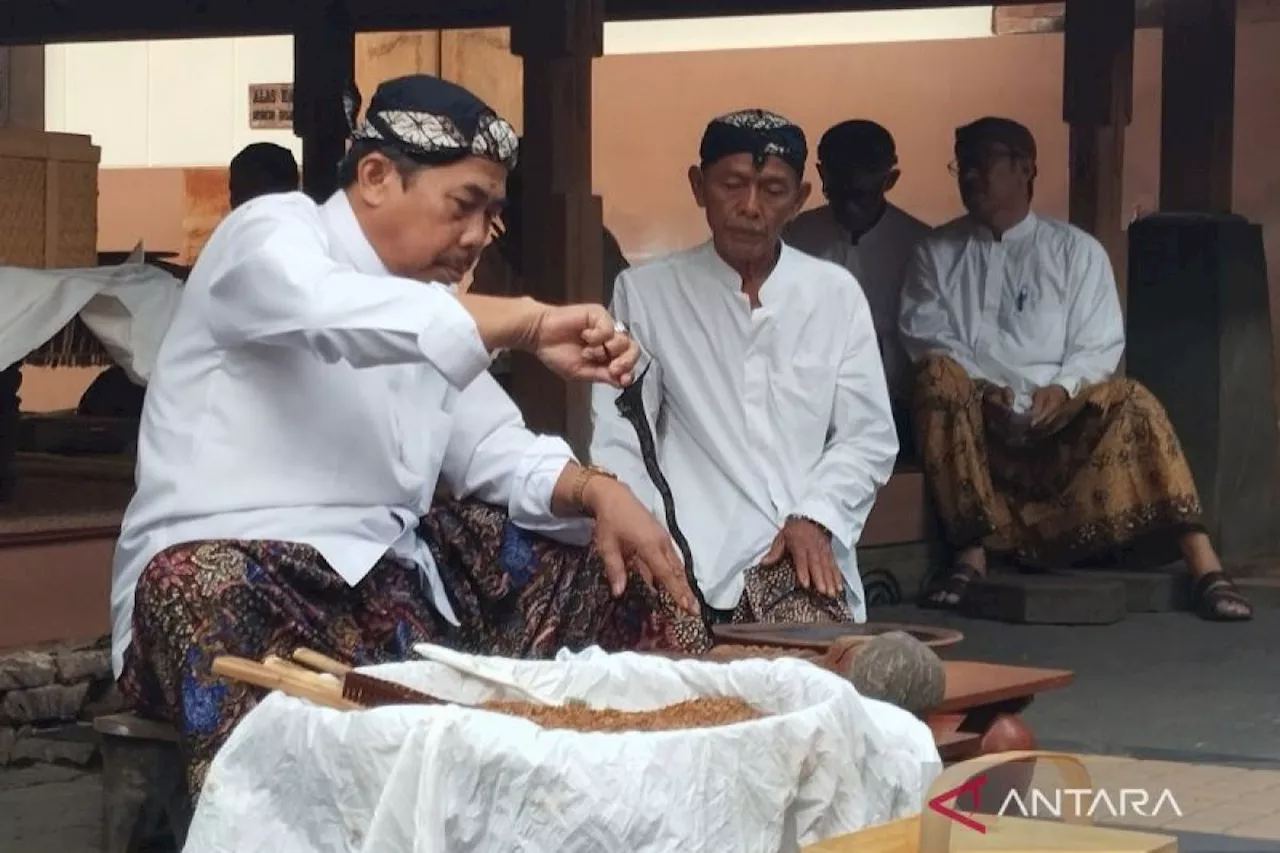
(1031, 445)
(862, 231)
(764, 389)
(313, 389)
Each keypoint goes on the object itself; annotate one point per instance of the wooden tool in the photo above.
(367, 690)
(322, 692)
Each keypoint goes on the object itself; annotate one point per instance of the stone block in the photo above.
(7, 738)
(1156, 591)
(53, 702)
(26, 669)
(1047, 599)
(103, 698)
(52, 750)
(83, 665)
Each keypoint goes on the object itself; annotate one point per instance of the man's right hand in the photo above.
(583, 343)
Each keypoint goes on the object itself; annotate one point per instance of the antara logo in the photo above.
(1097, 803)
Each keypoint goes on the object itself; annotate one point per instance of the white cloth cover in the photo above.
(296, 777)
(128, 308)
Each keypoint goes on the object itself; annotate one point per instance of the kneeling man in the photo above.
(317, 383)
(764, 389)
(1030, 445)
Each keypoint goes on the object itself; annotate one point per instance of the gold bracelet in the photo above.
(585, 473)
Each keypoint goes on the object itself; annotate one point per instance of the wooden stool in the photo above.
(144, 785)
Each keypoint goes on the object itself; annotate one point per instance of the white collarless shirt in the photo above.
(879, 263)
(304, 394)
(758, 414)
(1037, 307)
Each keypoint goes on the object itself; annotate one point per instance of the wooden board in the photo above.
(817, 637)
(1003, 834)
(971, 684)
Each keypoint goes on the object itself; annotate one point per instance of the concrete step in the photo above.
(1157, 591)
(1057, 598)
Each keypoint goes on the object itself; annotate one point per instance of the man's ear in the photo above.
(806, 189)
(695, 184)
(892, 180)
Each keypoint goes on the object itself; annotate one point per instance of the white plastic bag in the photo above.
(295, 777)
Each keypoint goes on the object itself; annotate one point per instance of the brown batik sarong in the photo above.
(516, 594)
(770, 594)
(1107, 473)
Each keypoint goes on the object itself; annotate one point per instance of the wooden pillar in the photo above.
(385, 56)
(558, 41)
(1198, 105)
(323, 63)
(1097, 103)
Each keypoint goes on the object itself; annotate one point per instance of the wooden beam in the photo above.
(1197, 121)
(52, 21)
(323, 64)
(558, 41)
(1097, 103)
(1035, 18)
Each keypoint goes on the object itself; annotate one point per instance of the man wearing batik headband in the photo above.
(764, 390)
(317, 384)
(1031, 446)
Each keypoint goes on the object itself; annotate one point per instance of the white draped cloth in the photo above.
(127, 307)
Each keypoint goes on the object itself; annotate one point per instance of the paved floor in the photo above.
(1160, 701)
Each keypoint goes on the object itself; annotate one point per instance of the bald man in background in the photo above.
(860, 230)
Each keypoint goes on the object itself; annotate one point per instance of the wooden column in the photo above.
(558, 40)
(323, 63)
(1097, 102)
(1198, 105)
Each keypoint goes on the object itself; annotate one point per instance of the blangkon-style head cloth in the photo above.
(759, 133)
(433, 121)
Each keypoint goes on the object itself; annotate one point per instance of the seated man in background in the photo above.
(764, 389)
(260, 169)
(1030, 444)
(860, 230)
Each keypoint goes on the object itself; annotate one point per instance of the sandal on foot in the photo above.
(946, 589)
(1217, 599)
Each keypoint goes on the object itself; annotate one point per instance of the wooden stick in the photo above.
(323, 663)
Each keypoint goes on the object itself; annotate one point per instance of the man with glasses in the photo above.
(1032, 448)
(860, 230)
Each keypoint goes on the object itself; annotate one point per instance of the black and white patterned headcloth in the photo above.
(432, 120)
(759, 133)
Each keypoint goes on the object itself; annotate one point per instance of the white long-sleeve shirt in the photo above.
(1037, 307)
(304, 394)
(758, 415)
(879, 263)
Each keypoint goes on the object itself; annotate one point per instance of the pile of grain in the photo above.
(577, 716)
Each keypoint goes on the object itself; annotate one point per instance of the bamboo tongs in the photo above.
(336, 685)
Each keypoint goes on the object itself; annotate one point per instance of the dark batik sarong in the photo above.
(770, 594)
(1109, 472)
(516, 594)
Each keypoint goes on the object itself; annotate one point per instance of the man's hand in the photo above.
(628, 536)
(1046, 404)
(998, 396)
(809, 547)
(582, 343)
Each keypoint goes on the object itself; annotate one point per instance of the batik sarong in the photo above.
(515, 594)
(770, 594)
(1108, 472)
